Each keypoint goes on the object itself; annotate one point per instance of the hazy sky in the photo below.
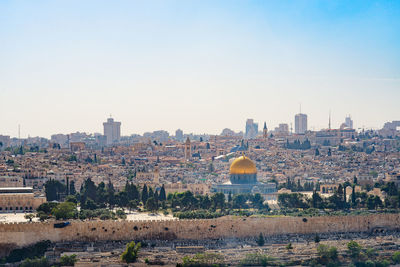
(196, 65)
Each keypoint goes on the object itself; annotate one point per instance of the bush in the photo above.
(131, 252)
(256, 259)
(260, 240)
(39, 262)
(327, 254)
(68, 260)
(396, 257)
(354, 250)
(47, 207)
(121, 214)
(203, 259)
(198, 214)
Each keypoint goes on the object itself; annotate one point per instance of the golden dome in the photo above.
(243, 165)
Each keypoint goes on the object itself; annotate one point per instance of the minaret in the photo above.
(188, 150)
(265, 131)
(156, 177)
(329, 119)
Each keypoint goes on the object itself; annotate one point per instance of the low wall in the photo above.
(21, 234)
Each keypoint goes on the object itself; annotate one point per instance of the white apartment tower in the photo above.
(300, 123)
(349, 122)
(112, 131)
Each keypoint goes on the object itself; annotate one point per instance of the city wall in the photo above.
(21, 234)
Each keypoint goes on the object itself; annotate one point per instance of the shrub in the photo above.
(131, 252)
(354, 250)
(289, 246)
(256, 259)
(68, 260)
(327, 254)
(203, 259)
(47, 207)
(121, 214)
(396, 257)
(38, 262)
(260, 240)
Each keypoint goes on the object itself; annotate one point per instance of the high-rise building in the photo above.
(300, 123)
(251, 129)
(179, 135)
(349, 122)
(112, 131)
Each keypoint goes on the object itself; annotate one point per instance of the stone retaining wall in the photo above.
(22, 234)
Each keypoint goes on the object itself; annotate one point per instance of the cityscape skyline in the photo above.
(347, 121)
(219, 64)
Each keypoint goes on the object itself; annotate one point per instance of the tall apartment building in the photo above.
(112, 131)
(349, 122)
(179, 135)
(300, 123)
(251, 129)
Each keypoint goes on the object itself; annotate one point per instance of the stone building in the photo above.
(19, 199)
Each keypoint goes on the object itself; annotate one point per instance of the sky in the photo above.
(200, 66)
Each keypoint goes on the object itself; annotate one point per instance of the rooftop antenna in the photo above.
(300, 108)
(19, 131)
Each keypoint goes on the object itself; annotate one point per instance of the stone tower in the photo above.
(265, 131)
(156, 173)
(188, 150)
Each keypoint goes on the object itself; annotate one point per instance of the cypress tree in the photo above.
(145, 195)
(162, 196)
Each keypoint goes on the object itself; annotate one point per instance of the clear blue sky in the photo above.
(196, 65)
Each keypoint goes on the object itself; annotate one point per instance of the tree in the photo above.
(353, 195)
(260, 240)
(131, 252)
(68, 260)
(162, 196)
(151, 204)
(132, 204)
(316, 201)
(354, 249)
(110, 194)
(316, 152)
(289, 246)
(66, 210)
(145, 195)
(88, 190)
(317, 238)
(54, 189)
(239, 201)
(218, 200)
(327, 254)
(47, 207)
(29, 216)
(72, 190)
(396, 257)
